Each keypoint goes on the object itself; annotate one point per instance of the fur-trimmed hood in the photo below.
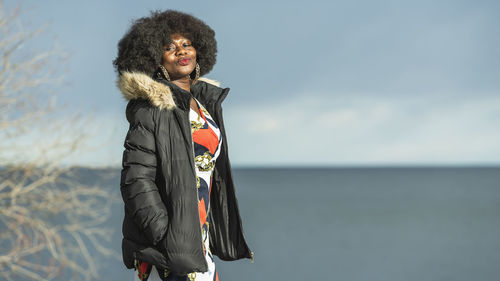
(135, 85)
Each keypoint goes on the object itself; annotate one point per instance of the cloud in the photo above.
(64, 138)
(345, 129)
(338, 130)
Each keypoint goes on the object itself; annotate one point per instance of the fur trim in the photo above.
(135, 85)
(209, 81)
(139, 85)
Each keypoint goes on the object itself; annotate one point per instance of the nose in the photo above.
(181, 51)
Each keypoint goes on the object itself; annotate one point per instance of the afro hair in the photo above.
(141, 50)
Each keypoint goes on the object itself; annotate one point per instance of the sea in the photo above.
(356, 224)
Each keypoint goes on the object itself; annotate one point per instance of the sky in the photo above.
(313, 83)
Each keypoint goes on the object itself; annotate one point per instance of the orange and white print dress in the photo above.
(207, 142)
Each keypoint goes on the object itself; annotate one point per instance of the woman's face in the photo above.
(179, 58)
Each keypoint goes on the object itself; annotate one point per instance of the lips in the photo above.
(184, 61)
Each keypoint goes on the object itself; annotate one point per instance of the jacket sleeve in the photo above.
(138, 188)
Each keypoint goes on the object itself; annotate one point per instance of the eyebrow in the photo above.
(173, 43)
(183, 40)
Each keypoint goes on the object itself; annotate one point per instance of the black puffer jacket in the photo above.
(158, 180)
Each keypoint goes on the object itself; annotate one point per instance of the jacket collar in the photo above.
(166, 95)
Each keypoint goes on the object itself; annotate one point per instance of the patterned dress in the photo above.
(207, 142)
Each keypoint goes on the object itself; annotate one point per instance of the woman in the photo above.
(176, 181)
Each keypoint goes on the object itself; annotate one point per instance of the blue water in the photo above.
(364, 224)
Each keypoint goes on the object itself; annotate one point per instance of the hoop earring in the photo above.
(197, 73)
(165, 72)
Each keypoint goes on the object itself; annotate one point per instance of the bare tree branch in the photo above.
(50, 224)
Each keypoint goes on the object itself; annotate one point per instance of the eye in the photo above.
(187, 44)
(169, 48)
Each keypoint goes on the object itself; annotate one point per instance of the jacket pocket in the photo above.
(133, 251)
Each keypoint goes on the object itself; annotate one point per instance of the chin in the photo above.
(180, 73)
(186, 72)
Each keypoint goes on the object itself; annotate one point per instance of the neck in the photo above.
(183, 83)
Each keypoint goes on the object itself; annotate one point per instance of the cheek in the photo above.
(168, 59)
